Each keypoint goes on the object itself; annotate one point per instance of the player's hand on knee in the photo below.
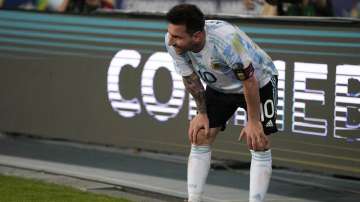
(200, 121)
(255, 136)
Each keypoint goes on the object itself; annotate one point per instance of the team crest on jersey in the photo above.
(215, 63)
(215, 66)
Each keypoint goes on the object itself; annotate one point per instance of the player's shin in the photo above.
(198, 169)
(260, 174)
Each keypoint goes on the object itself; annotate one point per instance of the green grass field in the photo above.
(15, 189)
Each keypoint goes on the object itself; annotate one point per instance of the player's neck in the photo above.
(198, 47)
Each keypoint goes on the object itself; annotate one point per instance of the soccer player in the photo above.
(237, 73)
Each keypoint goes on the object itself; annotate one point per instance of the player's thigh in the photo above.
(220, 107)
(268, 99)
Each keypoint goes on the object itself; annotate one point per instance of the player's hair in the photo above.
(188, 15)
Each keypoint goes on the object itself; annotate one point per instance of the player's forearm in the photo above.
(194, 86)
(252, 97)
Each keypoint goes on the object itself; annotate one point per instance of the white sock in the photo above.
(198, 169)
(260, 174)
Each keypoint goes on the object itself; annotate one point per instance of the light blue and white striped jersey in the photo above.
(226, 48)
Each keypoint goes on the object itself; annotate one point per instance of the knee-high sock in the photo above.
(198, 169)
(260, 174)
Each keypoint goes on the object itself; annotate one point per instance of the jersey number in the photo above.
(267, 110)
(208, 77)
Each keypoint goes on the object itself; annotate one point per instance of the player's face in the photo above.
(179, 38)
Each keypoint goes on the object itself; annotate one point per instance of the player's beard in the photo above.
(182, 50)
(179, 51)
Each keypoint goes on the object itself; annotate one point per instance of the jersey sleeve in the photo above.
(234, 52)
(181, 65)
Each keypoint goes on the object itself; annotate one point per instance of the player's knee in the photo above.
(203, 139)
(268, 145)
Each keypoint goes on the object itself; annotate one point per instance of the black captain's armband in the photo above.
(243, 74)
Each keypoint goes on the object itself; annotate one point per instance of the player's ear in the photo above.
(197, 36)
